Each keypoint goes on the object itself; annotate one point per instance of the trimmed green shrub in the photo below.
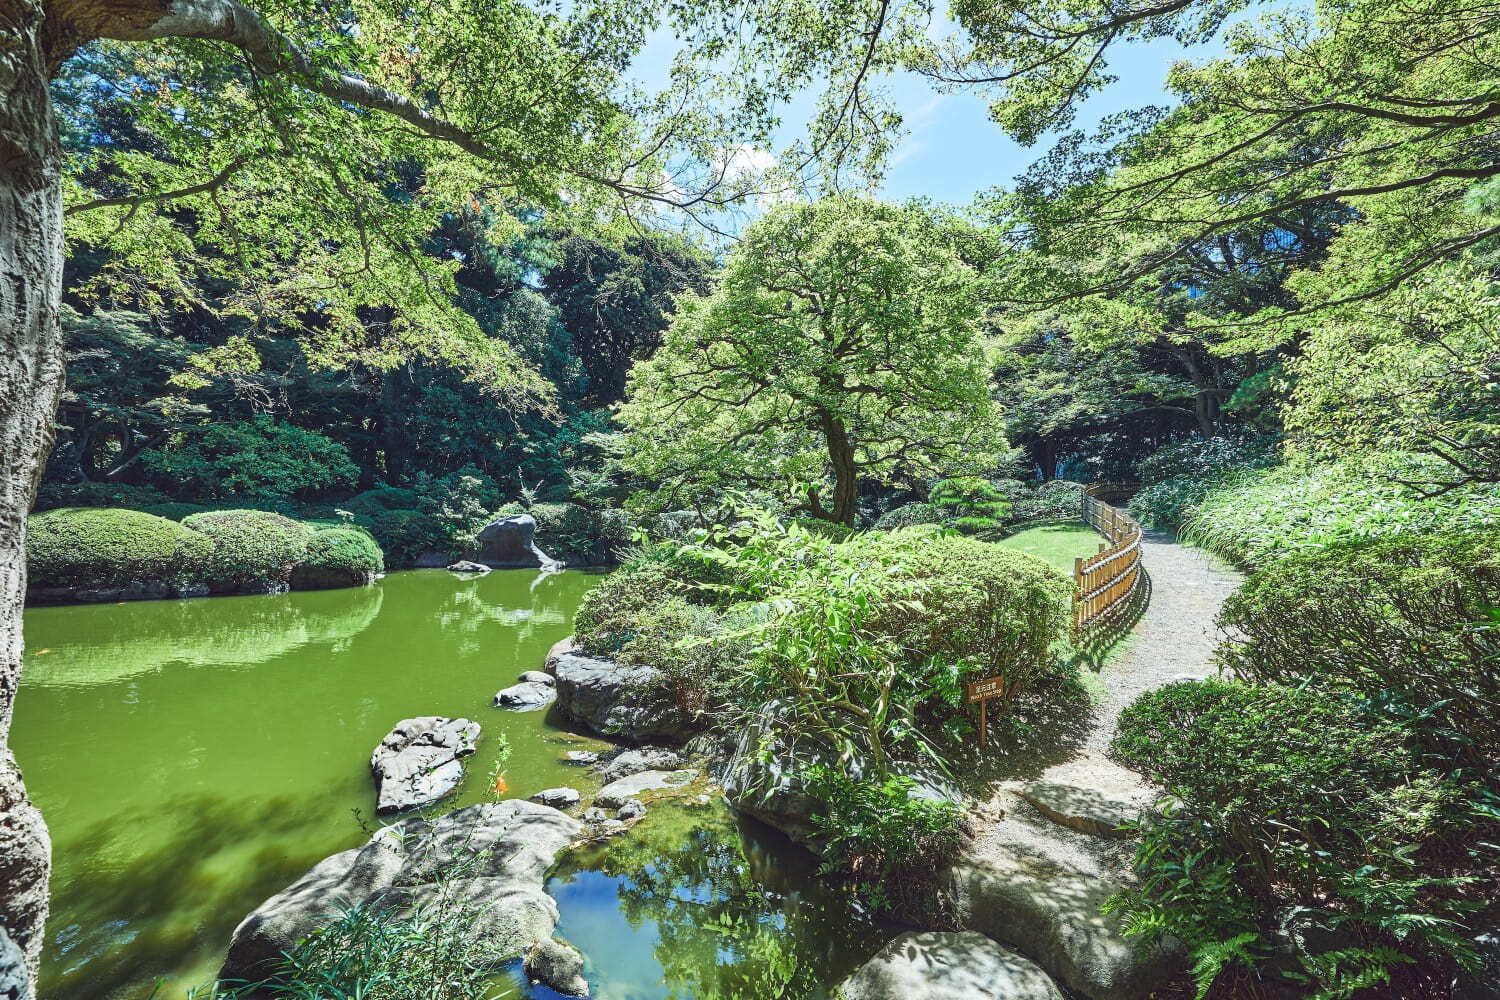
(252, 549)
(382, 498)
(259, 457)
(1056, 498)
(95, 548)
(970, 504)
(1289, 801)
(1256, 517)
(910, 515)
(1411, 621)
(175, 511)
(338, 557)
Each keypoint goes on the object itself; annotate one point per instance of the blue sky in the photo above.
(952, 151)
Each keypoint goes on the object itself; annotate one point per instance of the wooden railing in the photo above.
(1103, 584)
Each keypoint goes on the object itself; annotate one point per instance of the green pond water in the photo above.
(194, 757)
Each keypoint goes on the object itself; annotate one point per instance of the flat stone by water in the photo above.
(937, 965)
(617, 793)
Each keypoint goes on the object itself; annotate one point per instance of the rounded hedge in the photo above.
(403, 535)
(1411, 618)
(252, 549)
(174, 511)
(99, 548)
(910, 515)
(338, 557)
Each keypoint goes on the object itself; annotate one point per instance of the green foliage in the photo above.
(1177, 477)
(381, 499)
(259, 457)
(875, 829)
(1256, 517)
(840, 345)
(175, 511)
(251, 548)
(81, 547)
(570, 530)
(338, 557)
(1056, 498)
(98, 494)
(1410, 621)
(971, 504)
(911, 515)
(1284, 797)
(406, 534)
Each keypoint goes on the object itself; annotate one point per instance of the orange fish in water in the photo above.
(500, 785)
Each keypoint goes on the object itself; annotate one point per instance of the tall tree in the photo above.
(841, 343)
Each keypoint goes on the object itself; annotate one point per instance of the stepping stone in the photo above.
(617, 793)
(635, 761)
(1090, 794)
(942, 965)
(580, 757)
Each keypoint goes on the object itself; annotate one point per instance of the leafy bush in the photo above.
(1255, 517)
(251, 548)
(608, 617)
(98, 494)
(1410, 620)
(381, 499)
(175, 511)
(83, 547)
(969, 503)
(338, 557)
(874, 829)
(1056, 498)
(1177, 477)
(406, 534)
(910, 515)
(568, 530)
(259, 457)
(1287, 798)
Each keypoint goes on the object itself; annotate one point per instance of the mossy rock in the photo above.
(254, 551)
(338, 557)
(101, 549)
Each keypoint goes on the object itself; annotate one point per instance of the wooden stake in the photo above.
(983, 721)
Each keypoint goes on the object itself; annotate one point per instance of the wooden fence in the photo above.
(1103, 584)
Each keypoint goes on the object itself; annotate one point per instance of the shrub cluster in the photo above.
(250, 547)
(260, 457)
(911, 515)
(97, 548)
(1177, 477)
(1289, 802)
(338, 557)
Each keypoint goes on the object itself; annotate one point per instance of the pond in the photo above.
(194, 757)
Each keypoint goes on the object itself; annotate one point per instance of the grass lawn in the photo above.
(1057, 542)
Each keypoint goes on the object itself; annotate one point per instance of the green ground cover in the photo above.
(1057, 543)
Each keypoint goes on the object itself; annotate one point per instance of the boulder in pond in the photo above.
(510, 542)
(557, 798)
(557, 965)
(635, 761)
(635, 703)
(615, 794)
(420, 761)
(938, 965)
(580, 758)
(491, 860)
(527, 696)
(467, 566)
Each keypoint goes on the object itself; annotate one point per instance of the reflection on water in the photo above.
(696, 903)
(193, 757)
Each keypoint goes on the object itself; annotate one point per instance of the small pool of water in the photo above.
(194, 757)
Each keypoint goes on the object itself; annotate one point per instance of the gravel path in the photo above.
(1176, 637)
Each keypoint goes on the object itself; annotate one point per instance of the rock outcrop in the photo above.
(509, 542)
(490, 860)
(420, 761)
(635, 761)
(557, 798)
(615, 794)
(533, 690)
(467, 566)
(933, 965)
(629, 702)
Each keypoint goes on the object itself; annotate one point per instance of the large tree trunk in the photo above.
(845, 472)
(31, 371)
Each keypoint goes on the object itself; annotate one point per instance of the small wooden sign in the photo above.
(982, 691)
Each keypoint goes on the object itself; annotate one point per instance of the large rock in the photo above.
(489, 861)
(617, 793)
(1090, 794)
(765, 778)
(629, 702)
(1037, 887)
(15, 983)
(467, 566)
(527, 696)
(510, 542)
(635, 761)
(419, 761)
(557, 798)
(933, 965)
(558, 965)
